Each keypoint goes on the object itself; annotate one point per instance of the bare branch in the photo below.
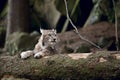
(71, 14)
(116, 27)
(76, 30)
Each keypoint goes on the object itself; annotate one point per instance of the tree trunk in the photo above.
(18, 16)
(61, 67)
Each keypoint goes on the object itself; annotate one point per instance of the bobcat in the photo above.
(45, 46)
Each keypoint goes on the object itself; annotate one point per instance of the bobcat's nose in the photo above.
(54, 39)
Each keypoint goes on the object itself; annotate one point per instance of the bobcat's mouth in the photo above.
(53, 41)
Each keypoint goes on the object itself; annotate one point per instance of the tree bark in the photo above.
(60, 67)
(18, 16)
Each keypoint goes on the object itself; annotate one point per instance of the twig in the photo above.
(76, 30)
(116, 27)
(71, 14)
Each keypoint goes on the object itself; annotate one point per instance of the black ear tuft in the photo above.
(54, 30)
(43, 44)
(41, 30)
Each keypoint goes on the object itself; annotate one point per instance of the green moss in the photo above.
(104, 54)
(62, 67)
(83, 49)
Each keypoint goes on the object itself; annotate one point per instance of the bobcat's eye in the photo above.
(55, 35)
(49, 34)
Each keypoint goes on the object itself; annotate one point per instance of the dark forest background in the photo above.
(31, 15)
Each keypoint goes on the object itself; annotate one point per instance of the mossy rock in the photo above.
(19, 41)
(83, 49)
(100, 54)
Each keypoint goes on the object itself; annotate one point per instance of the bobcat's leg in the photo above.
(38, 54)
(41, 54)
(26, 54)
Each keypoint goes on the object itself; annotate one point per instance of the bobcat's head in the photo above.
(49, 38)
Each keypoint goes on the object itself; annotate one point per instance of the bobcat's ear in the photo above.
(41, 30)
(54, 30)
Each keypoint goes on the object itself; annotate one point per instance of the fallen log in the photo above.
(101, 33)
(62, 66)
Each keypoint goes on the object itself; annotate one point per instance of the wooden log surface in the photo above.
(61, 66)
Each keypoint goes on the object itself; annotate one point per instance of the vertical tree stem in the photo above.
(116, 27)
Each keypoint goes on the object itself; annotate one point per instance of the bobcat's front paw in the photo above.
(38, 55)
(26, 54)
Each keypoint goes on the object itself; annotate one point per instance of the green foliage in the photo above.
(94, 14)
(103, 10)
(2, 30)
(4, 11)
(73, 14)
(118, 9)
(106, 9)
(2, 36)
(60, 5)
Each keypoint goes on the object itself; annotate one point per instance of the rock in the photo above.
(20, 41)
(83, 49)
(102, 59)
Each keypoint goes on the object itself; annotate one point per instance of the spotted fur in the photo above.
(45, 46)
